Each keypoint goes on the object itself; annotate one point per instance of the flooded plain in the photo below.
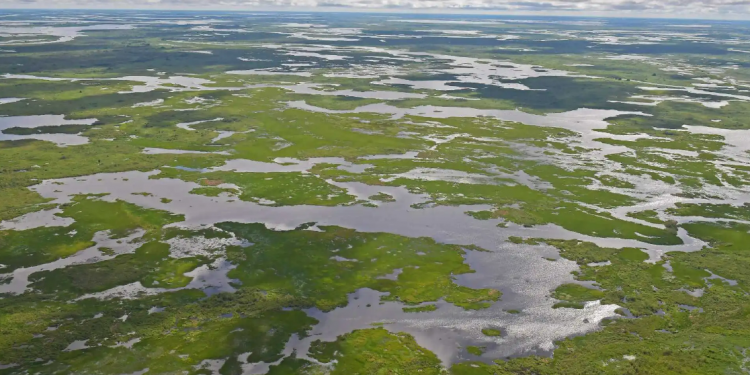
(520, 272)
(30, 122)
(458, 133)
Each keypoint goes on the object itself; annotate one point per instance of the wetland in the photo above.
(279, 193)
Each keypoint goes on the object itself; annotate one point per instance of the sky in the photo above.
(708, 9)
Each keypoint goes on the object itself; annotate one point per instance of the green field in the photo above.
(232, 193)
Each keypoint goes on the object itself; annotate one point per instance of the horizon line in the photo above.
(405, 11)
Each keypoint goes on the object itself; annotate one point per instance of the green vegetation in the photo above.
(149, 264)
(323, 267)
(376, 351)
(91, 215)
(666, 337)
(18, 201)
(424, 308)
(491, 332)
(382, 197)
(649, 215)
(718, 211)
(475, 350)
(574, 295)
(141, 279)
(278, 188)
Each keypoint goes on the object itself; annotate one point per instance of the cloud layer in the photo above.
(646, 8)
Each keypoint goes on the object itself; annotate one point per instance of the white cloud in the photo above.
(634, 8)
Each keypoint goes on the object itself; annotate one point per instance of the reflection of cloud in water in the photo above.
(148, 83)
(434, 174)
(19, 278)
(211, 279)
(446, 224)
(159, 151)
(582, 119)
(518, 270)
(287, 165)
(313, 89)
(36, 121)
(63, 34)
(10, 100)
